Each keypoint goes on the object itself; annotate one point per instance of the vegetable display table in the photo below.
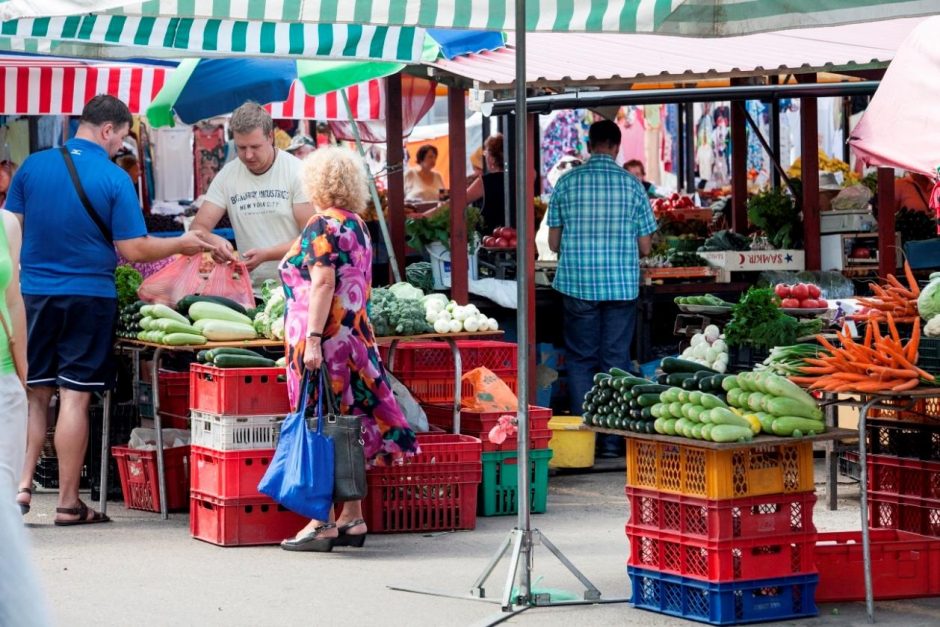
(136, 347)
(451, 340)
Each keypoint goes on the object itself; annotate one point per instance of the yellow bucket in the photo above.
(572, 447)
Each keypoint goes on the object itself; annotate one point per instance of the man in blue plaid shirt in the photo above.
(600, 222)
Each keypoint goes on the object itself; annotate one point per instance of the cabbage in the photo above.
(928, 303)
(406, 291)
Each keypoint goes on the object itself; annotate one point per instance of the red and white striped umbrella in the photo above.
(367, 101)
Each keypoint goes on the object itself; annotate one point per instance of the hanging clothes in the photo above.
(173, 176)
(210, 149)
(566, 134)
(652, 145)
(632, 134)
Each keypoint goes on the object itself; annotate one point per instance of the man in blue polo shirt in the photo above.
(75, 206)
(600, 222)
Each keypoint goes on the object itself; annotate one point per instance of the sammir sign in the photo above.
(755, 260)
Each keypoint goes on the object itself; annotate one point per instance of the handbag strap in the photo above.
(86, 203)
(326, 390)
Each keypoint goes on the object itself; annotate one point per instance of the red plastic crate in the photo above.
(904, 566)
(239, 391)
(241, 522)
(138, 472)
(434, 387)
(174, 397)
(719, 520)
(771, 556)
(904, 477)
(904, 513)
(435, 490)
(228, 474)
(478, 424)
(435, 357)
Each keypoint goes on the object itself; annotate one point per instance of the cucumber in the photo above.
(676, 365)
(629, 382)
(242, 361)
(701, 375)
(662, 377)
(650, 388)
(646, 414)
(647, 400)
(617, 372)
(676, 378)
(202, 356)
(786, 426)
(690, 384)
(730, 433)
(600, 376)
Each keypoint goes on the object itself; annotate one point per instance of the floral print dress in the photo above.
(339, 239)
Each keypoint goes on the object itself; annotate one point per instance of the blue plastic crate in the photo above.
(734, 603)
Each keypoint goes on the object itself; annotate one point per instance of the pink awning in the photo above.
(901, 127)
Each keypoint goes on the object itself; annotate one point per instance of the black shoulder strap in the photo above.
(105, 231)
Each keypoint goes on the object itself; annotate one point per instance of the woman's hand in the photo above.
(313, 354)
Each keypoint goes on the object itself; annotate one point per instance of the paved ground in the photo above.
(143, 571)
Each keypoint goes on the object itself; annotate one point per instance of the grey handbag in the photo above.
(349, 474)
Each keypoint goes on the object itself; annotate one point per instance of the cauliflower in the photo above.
(277, 329)
(932, 328)
(406, 291)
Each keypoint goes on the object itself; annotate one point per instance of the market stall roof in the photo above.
(901, 126)
(559, 60)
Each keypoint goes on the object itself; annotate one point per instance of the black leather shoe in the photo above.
(311, 542)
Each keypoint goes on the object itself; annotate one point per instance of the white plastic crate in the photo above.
(233, 433)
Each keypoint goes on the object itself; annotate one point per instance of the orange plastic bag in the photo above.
(200, 275)
(490, 393)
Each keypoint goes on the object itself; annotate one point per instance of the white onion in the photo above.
(455, 326)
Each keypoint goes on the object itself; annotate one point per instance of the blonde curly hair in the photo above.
(335, 177)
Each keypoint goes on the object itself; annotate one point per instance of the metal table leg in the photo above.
(157, 425)
(832, 457)
(105, 450)
(863, 477)
(390, 366)
(458, 380)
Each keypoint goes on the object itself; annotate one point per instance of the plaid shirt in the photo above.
(601, 210)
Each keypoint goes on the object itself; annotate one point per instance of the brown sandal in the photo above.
(82, 512)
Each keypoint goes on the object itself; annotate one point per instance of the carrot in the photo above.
(898, 286)
(818, 370)
(910, 351)
(907, 385)
(893, 372)
(904, 361)
(876, 386)
(868, 334)
(893, 329)
(850, 376)
(804, 380)
(911, 281)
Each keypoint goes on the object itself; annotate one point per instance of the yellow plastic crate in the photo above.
(728, 474)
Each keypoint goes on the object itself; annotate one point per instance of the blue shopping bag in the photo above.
(300, 477)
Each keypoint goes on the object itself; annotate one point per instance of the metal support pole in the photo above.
(105, 449)
(863, 477)
(689, 148)
(392, 259)
(158, 426)
(775, 130)
(681, 183)
(458, 380)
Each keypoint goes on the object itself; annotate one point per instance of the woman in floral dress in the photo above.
(327, 275)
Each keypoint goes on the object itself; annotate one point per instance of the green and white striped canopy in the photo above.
(91, 34)
(701, 18)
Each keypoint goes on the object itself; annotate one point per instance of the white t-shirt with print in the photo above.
(260, 206)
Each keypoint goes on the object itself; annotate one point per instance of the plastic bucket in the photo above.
(573, 448)
(440, 265)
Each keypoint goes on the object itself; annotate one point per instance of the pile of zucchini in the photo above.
(197, 320)
(162, 325)
(701, 416)
(690, 376)
(227, 357)
(621, 401)
(779, 406)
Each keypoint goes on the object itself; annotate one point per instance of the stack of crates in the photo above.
(235, 413)
(722, 536)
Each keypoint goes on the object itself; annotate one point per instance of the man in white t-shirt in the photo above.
(262, 193)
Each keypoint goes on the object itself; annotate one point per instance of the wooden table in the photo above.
(136, 347)
(451, 340)
(759, 440)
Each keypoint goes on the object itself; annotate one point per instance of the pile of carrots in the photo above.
(877, 364)
(893, 299)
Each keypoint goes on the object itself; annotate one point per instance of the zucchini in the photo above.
(710, 401)
(617, 372)
(231, 350)
(214, 311)
(146, 310)
(183, 339)
(647, 414)
(683, 396)
(695, 397)
(647, 400)
(187, 301)
(600, 376)
(676, 378)
(162, 311)
(702, 375)
(734, 397)
(662, 377)
(660, 425)
(669, 426)
(670, 395)
(723, 416)
(697, 430)
(729, 383)
(145, 323)
(676, 365)
(224, 331)
(786, 426)
(755, 401)
(730, 433)
(168, 325)
(242, 361)
(201, 356)
(766, 422)
(675, 409)
(649, 388)
(785, 406)
(690, 384)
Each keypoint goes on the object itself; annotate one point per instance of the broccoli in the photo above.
(394, 316)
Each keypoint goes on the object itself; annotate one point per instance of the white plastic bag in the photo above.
(414, 414)
(144, 439)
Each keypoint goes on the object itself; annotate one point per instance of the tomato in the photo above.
(809, 303)
(504, 232)
(782, 290)
(799, 291)
(790, 303)
(821, 302)
(489, 242)
(510, 232)
(501, 242)
(814, 291)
